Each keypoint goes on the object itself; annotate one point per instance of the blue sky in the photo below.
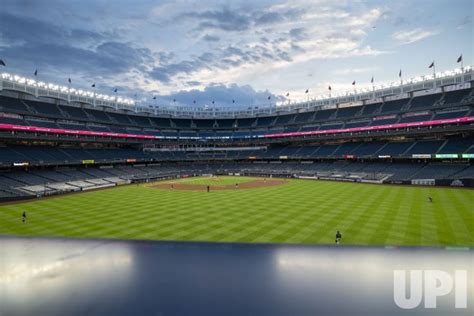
(225, 50)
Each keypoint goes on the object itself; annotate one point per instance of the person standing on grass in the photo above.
(338, 237)
(208, 189)
(236, 185)
(430, 199)
(23, 217)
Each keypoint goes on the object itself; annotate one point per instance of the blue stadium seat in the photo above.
(425, 147)
(11, 105)
(417, 118)
(450, 115)
(456, 146)
(369, 109)
(265, 121)
(208, 124)
(323, 114)
(348, 112)
(424, 102)
(182, 123)
(246, 123)
(454, 97)
(393, 106)
(304, 117)
(226, 123)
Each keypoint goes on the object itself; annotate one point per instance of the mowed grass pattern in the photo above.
(301, 211)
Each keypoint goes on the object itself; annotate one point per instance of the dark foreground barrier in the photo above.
(106, 277)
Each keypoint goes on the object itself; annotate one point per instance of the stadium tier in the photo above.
(429, 110)
(50, 146)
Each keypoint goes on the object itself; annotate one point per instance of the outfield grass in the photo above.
(301, 211)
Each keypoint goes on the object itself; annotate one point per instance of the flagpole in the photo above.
(69, 90)
(434, 70)
(94, 94)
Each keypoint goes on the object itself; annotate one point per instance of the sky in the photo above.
(182, 51)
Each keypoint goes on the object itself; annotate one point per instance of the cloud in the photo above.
(182, 45)
(408, 37)
(297, 33)
(211, 38)
(275, 37)
(60, 52)
(465, 22)
(350, 71)
(221, 94)
(223, 19)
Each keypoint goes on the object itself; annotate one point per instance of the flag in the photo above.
(354, 83)
(36, 72)
(93, 85)
(194, 101)
(400, 73)
(69, 80)
(213, 101)
(307, 90)
(329, 88)
(459, 60)
(233, 101)
(154, 98)
(2, 63)
(115, 90)
(269, 97)
(372, 80)
(174, 100)
(431, 65)
(287, 94)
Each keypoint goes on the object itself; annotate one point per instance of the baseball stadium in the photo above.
(271, 157)
(387, 167)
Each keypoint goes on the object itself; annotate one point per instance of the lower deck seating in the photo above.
(52, 181)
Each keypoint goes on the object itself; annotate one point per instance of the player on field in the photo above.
(23, 217)
(430, 199)
(338, 237)
(208, 188)
(236, 185)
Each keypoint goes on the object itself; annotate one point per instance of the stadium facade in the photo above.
(57, 139)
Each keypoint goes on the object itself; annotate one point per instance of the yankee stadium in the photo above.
(237, 158)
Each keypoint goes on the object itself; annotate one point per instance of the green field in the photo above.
(300, 211)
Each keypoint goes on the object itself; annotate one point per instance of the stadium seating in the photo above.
(56, 163)
(393, 106)
(423, 102)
